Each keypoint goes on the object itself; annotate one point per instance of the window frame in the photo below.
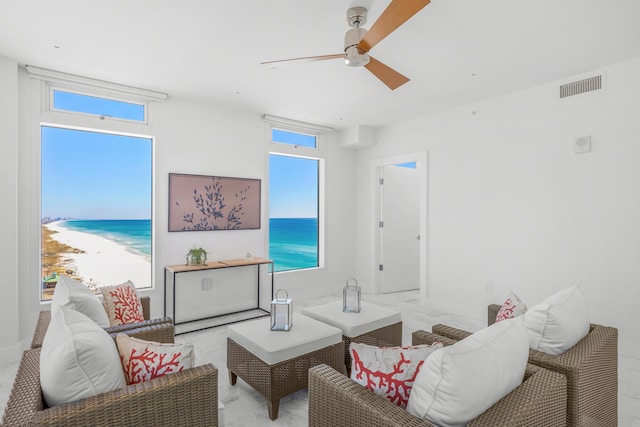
(318, 153)
(41, 83)
(59, 88)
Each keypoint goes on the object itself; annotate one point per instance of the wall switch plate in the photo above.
(488, 287)
(582, 145)
(207, 284)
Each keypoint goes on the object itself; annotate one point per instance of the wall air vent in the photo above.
(581, 86)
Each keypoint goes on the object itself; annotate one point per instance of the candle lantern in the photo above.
(281, 312)
(351, 296)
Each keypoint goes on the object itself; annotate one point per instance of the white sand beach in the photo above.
(104, 262)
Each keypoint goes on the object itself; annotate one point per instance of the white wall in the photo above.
(9, 337)
(511, 207)
(190, 137)
(204, 139)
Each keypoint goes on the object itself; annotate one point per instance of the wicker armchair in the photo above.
(159, 330)
(336, 400)
(591, 368)
(187, 398)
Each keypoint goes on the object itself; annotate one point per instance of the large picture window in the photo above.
(293, 212)
(96, 198)
(295, 182)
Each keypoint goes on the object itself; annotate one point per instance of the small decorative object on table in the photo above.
(248, 256)
(281, 312)
(196, 256)
(351, 296)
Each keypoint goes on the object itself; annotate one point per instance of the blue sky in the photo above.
(90, 175)
(293, 186)
(293, 181)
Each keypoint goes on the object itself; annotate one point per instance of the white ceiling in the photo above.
(456, 52)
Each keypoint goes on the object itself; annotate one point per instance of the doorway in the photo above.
(401, 224)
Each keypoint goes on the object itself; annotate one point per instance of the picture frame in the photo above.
(211, 203)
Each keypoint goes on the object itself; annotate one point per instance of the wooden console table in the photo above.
(191, 282)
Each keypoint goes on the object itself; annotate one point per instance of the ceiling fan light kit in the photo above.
(359, 41)
(354, 57)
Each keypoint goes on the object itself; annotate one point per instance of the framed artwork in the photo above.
(205, 203)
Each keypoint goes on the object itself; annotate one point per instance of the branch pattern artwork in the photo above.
(205, 203)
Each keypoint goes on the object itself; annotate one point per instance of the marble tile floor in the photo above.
(245, 407)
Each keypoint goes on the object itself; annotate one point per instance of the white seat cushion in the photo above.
(370, 318)
(459, 382)
(78, 359)
(272, 347)
(77, 296)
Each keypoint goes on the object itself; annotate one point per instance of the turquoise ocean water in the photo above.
(293, 243)
(133, 233)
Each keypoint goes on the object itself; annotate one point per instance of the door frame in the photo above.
(422, 159)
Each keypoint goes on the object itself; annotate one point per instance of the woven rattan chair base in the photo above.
(591, 368)
(387, 336)
(281, 379)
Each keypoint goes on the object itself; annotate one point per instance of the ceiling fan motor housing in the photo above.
(356, 16)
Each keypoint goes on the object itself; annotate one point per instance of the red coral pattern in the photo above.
(506, 311)
(512, 307)
(395, 385)
(147, 364)
(125, 306)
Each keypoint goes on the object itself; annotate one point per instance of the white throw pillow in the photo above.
(78, 359)
(459, 382)
(511, 307)
(77, 296)
(389, 371)
(122, 304)
(558, 323)
(145, 360)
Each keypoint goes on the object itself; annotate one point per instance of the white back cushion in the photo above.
(558, 323)
(76, 296)
(459, 382)
(78, 359)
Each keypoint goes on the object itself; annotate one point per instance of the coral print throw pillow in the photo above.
(122, 304)
(145, 360)
(389, 371)
(512, 307)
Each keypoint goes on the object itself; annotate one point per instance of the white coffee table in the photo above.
(373, 325)
(276, 363)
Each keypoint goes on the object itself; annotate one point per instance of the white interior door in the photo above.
(400, 229)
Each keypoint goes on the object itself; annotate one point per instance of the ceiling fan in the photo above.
(359, 41)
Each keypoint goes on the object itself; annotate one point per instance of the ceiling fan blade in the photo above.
(396, 14)
(275, 64)
(387, 75)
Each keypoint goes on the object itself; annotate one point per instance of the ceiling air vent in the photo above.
(581, 86)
